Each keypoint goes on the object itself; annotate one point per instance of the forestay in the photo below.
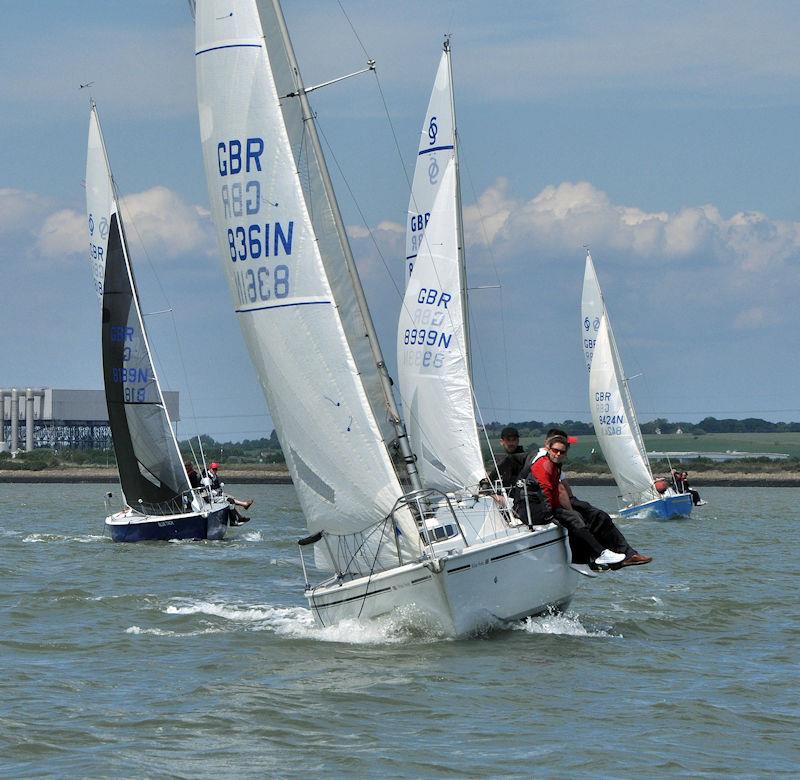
(436, 150)
(432, 358)
(285, 263)
(150, 466)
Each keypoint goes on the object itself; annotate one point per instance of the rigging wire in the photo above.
(406, 407)
(493, 261)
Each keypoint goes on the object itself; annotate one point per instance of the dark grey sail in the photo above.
(150, 467)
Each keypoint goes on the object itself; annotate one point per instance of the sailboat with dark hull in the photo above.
(160, 501)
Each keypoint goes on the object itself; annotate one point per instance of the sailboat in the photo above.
(614, 416)
(379, 541)
(160, 503)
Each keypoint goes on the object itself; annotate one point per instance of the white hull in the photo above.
(523, 573)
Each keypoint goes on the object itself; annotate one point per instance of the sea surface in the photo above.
(201, 659)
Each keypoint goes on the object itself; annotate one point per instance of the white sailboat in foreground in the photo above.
(614, 416)
(160, 502)
(385, 542)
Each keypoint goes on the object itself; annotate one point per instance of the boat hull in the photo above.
(467, 591)
(664, 508)
(134, 527)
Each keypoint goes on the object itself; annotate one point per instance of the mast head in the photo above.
(446, 44)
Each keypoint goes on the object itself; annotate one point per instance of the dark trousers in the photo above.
(602, 528)
(582, 541)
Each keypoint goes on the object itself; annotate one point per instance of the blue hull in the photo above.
(163, 529)
(662, 508)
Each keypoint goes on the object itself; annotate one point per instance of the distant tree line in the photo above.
(268, 450)
(247, 451)
(659, 425)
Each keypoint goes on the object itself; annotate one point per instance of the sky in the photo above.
(662, 136)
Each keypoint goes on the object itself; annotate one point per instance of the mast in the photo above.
(372, 337)
(462, 263)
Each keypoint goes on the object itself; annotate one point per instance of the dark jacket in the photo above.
(508, 470)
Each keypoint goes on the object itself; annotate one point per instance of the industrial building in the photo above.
(47, 417)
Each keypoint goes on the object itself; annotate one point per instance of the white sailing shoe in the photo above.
(606, 558)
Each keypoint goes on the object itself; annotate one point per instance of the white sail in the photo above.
(592, 310)
(614, 423)
(436, 149)
(100, 202)
(284, 257)
(432, 360)
(432, 338)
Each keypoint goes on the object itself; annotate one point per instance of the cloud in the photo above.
(676, 52)
(132, 68)
(167, 224)
(563, 217)
(159, 219)
(20, 211)
(755, 318)
(63, 233)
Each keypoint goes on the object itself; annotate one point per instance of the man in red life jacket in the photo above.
(546, 471)
(599, 522)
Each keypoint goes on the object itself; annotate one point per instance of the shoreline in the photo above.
(100, 475)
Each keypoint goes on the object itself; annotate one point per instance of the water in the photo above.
(201, 660)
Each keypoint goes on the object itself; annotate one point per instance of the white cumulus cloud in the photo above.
(20, 211)
(63, 233)
(563, 217)
(158, 218)
(166, 224)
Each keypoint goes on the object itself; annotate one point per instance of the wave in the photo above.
(138, 630)
(298, 623)
(562, 623)
(81, 538)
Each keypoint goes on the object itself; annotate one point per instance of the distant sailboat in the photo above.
(614, 416)
(310, 335)
(161, 503)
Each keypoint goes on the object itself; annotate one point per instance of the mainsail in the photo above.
(432, 338)
(610, 401)
(293, 283)
(150, 467)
